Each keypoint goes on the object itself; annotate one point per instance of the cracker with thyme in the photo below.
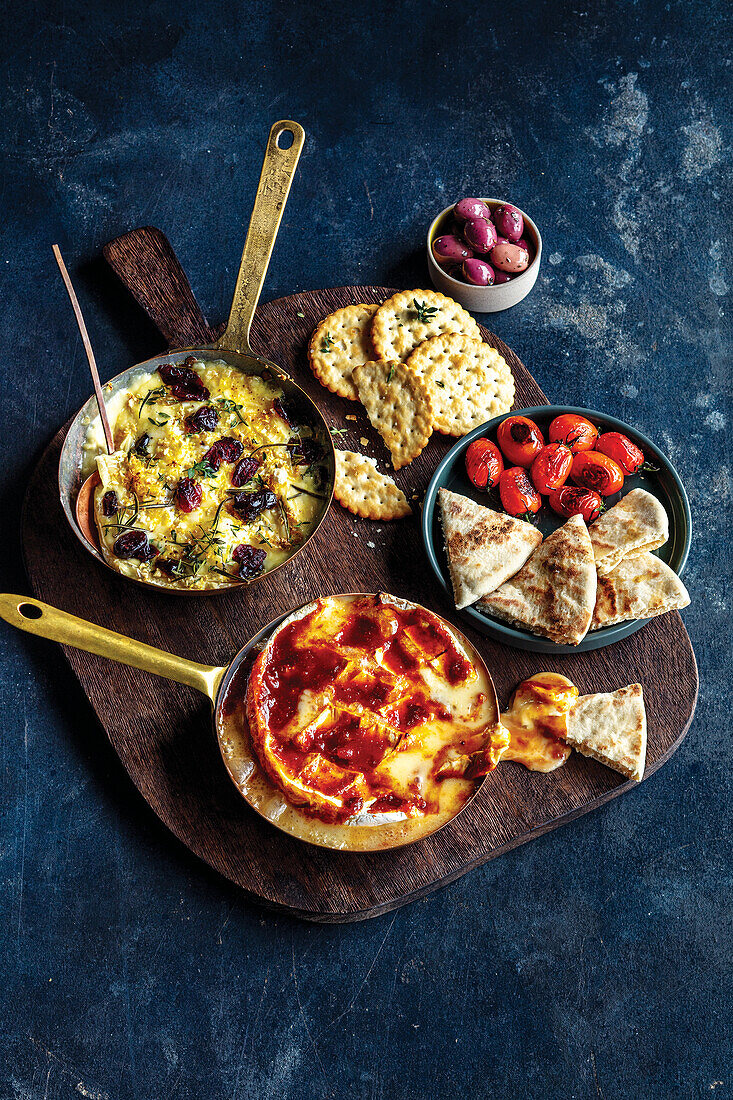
(469, 382)
(412, 316)
(363, 490)
(340, 343)
(398, 405)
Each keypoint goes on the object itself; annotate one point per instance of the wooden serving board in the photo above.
(162, 731)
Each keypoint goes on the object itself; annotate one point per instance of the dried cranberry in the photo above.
(285, 412)
(141, 444)
(245, 470)
(204, 419)
(249, 505)
(225, 449)
(304, 452)
(250, 559)
(110, 503)
(188, 494)
(134, 544)
(185, 384)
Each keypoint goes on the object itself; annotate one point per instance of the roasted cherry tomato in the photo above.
(623, 452)
(574, 431)
(518, 495)
(551, 467)
(520, 439)
(571, 501)
(484, 463)
(593, 470)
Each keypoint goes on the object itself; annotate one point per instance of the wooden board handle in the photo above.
(145, 262)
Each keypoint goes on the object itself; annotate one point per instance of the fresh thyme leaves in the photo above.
(441, 384)
(391, 372)
(328, 342)
(160, 420)
(299, 314)
(151, 398)
(202, 468)
(338, 431)
(230, 406)
(425, 313)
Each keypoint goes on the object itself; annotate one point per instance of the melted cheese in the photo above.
(358, 705)
(196, 548)
(537, 721)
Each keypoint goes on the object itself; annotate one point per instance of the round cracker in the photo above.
(361, 488)
(469, 381)
(340, 343)
(398, 405)
(397, 329)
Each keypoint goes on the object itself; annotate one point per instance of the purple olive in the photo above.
(450, 250)
(509, 257)
(509, 222)
(468, 209)
(480, 234)
(524, 243)
(501, 276)
(478, 273)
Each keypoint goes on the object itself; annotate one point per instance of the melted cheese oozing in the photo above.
(155, 448)
(537, 721)
(363, 705)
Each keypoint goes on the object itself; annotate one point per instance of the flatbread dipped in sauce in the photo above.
(367, 706)
(547, 718)
(214, 480)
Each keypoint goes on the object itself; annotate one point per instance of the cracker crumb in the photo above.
(364, 442)
(349, 416)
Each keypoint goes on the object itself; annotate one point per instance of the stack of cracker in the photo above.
(417, 364)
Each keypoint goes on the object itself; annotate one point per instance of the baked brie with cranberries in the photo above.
(213, 479)
(370, 705)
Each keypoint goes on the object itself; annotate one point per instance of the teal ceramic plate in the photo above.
(665, 485)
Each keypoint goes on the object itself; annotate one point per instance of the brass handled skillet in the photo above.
(232, 346)
(223, 685)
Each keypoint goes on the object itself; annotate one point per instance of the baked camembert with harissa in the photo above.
(215, 478)
(370, 705)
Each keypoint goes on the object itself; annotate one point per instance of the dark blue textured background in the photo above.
(594, 962)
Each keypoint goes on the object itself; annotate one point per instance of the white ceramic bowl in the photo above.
(484, 299)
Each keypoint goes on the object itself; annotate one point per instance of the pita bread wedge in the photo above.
(554, 592)
(640, 587)
(637, 523)
(484, 547)
(611, 727)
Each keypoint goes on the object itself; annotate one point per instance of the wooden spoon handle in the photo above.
(145, 262)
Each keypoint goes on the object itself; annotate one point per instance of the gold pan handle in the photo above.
(277, 174)
(39, 618)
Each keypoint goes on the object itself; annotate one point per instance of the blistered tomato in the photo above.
(593, 470)
(620, 448)
(571, 501)
(518, 495)
(484, 463)
(551, 467)
(574, 431)
(520, 439)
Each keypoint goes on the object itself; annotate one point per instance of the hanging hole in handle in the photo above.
(285, 139)
(30, 611)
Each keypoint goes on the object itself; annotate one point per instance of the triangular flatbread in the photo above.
(611, 727)
(554, 593)
(641, 587)
(484, 547)
(637, 523)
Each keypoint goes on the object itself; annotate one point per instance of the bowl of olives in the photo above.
(484, 253)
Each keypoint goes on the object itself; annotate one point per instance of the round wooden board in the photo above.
(162, 731)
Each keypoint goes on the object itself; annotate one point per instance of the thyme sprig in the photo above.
(425, 313)
(328, 343)
(151, 398)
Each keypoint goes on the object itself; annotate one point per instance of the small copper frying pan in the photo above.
(232, 346)
(41, 619)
